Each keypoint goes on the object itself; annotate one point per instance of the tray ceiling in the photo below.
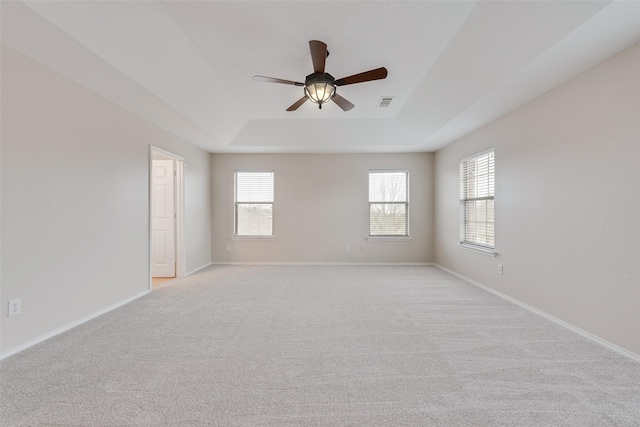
(187, 66)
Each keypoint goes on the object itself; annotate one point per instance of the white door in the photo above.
(164, 246)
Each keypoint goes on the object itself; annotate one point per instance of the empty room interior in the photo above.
(314, 213)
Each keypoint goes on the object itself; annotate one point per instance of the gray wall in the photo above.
(567, 202)
(321, 204)
(75, 200)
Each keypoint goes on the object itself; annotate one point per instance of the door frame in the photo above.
(178, 200)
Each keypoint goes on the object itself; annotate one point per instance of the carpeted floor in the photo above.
(319, 346)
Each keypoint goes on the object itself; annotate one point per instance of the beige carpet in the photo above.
(319, 346)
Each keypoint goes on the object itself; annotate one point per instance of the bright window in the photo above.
(253, 203)
(388, 203)
(477, 187)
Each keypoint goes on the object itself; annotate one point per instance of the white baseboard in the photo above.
(68, 326)
(547, 316)
(322, 263)
(195, 270)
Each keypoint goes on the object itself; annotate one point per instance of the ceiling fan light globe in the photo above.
(319, 92)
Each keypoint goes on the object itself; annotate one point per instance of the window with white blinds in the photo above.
(253, 203)
(477, 186)
(388, 203)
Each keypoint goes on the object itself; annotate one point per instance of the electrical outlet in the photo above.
(347, 248)
(15, 307)
(499, 268)
(228, 247)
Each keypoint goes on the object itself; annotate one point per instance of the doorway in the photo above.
(166, 207)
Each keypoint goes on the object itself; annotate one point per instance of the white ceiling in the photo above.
(454, 66)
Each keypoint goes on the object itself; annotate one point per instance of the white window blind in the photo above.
(388, 203)
(477, 187)
(254, 203)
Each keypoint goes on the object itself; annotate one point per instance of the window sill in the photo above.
(479, 249)
(389, 238)
(254, 237)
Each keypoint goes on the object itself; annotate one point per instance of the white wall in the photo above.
(75, 200)
(321, 204)
(567, 202)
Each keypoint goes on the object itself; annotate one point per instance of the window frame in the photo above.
(463, 239)
(236, 203)
(406, 203)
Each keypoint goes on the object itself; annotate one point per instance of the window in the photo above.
(477, 186)
(388, 203)
(253, 203)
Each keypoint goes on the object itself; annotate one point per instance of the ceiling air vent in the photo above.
(385, 101)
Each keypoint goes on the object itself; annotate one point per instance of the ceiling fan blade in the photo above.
(377, 74)
(297, 104)
(318, 55)
(274, 80)
(342, 103)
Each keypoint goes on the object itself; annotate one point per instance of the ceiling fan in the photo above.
(320, 87)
